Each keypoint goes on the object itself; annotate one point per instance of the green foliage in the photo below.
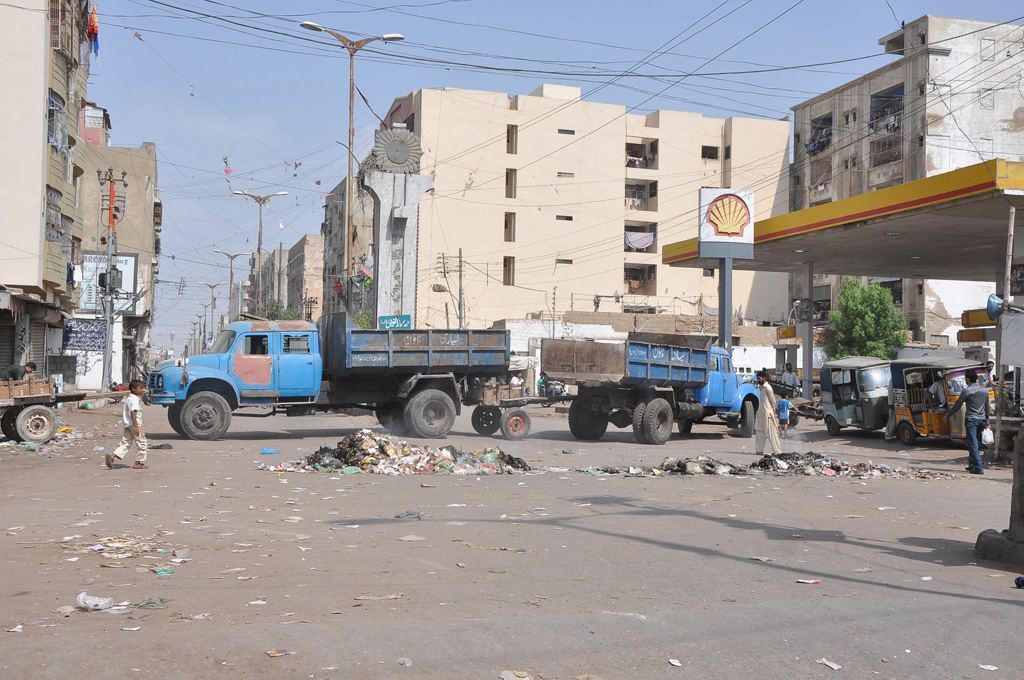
(276, 313)
(364, 319)
(865, 322)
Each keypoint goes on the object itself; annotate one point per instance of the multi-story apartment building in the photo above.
(306, 276)
(950, 99)
(274, 278)
(336, 287)
(44, 65)
(254, 304)
(138, 226)
(559, 203)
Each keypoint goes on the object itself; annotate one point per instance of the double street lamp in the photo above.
(352, 46)
(261, 200)
(231, 279)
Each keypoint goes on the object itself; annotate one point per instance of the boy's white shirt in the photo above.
(132, 403)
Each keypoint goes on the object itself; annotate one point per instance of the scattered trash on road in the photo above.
(1019, 581)
(831, 664)
(274, 653)
(404, 661)
(987, 667)
(410, 513)
(675, 662)
(809, 581)
(16, 629)
(93, 604)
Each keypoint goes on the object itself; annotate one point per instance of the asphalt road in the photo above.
(559, 574)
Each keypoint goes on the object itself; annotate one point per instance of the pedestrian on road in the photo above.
(790, 379)
(784, 406)
(133, 432)
(766, 424)
(17, 372)
(974, 400)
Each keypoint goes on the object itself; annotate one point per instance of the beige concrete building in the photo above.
(44, 65)
(555, 200)
(306, 276)
(951, 99)
(274, 277)
(138, 227)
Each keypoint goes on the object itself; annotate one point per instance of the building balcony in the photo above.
(641, 153)
(642, 195)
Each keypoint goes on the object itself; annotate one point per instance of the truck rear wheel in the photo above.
(392, 419)
(10, 430)
(486, 419)
(174, 418)
(205, 416)
(430, 414)
(747, 417)
(515, 424)
(36, 424)
(685, 426)
(586, 423)
(638, 422)
(658, 421)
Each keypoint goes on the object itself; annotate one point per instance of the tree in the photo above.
(865, 322)
(276, 313)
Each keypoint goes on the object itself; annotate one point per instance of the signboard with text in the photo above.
(394, 323)
(92, 264)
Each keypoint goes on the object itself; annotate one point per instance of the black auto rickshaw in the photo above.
(855, 393)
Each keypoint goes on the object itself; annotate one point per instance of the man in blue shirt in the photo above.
(974, 400)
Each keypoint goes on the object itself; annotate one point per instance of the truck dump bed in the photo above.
(350, 351)
(642, 361)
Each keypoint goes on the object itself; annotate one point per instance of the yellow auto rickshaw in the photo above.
(924, 389)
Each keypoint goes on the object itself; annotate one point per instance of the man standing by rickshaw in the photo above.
(974, 399)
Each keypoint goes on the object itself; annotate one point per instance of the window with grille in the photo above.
(510, 183)
(510, 227)
(62, 26)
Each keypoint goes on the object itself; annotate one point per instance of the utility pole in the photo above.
(109, 283)
(202, 326)
(261, 201)
(462, 309)
(231, 279)
(213, 301)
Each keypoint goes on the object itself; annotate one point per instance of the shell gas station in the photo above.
(955, 226)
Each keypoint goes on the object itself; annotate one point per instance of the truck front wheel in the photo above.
(36, 424)
(430, 414)
(657, 421)
(205, 416)
(174, 418)
(747, 416)
(10, 430)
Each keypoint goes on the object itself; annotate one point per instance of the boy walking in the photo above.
(133, 432)
(784, 417)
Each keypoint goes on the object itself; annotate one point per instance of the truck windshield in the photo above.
(223, 342)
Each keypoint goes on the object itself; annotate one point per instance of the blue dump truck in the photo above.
(649, 382)
(412, 379)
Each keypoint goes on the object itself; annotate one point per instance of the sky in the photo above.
(239, 85)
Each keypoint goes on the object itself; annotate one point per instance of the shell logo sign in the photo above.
(726, 216)
(729, 216)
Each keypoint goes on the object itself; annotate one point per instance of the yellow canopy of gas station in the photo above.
(950, 226)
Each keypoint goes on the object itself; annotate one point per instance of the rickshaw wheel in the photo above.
(906, 433)
(832, 425)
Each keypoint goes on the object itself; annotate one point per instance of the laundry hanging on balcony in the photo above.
(638, 240)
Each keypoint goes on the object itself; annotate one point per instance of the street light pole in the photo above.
(213, 301)
(261, 200)
(231, 278)
(352, 46)
(203, 328)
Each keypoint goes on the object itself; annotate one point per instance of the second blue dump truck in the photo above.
(649, 382)
(412, 379)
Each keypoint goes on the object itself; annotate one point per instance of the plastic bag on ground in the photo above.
(93, 604)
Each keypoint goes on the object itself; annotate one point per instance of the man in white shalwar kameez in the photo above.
(766, 424)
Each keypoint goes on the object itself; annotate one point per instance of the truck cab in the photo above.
(251, 363)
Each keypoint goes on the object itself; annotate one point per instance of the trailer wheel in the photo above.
(685, 427)
(430, 414)
(10, 430)
(174, 418)
(486, 419)
(205, 416)
(586, 423)
(36, 424)
(638, 422)
(392, 419)
(832, 425)
(747, 417)
(658, 421)
(515, 424)
(906, 433)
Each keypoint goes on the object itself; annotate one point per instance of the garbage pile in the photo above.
(367, 451)
(63, 439)
(701, 465)
(811, 463)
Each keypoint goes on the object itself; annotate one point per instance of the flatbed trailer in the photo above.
(26, 408)
(502, 407)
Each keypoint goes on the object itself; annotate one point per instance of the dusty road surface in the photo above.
(556, 574)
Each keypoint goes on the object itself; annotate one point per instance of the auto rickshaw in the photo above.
(855, 393)
(916, 415)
